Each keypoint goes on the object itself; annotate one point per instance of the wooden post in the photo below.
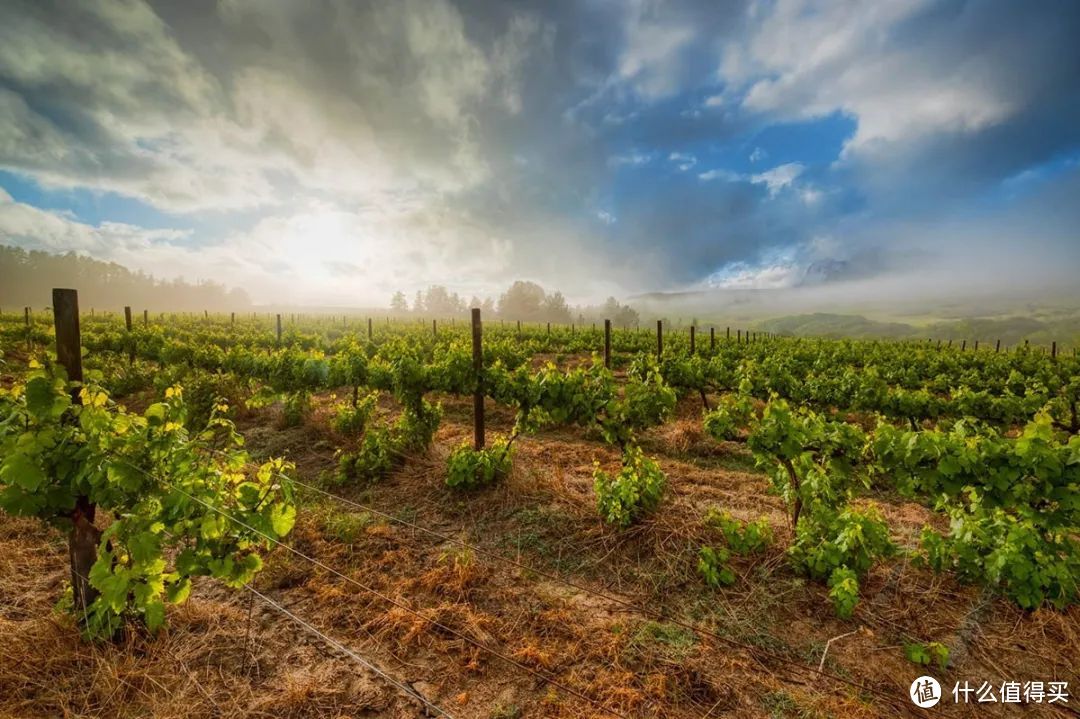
(963, 345)
(692, 342)
(434, 330)
(976, 345)
(130, 341)
(232, 318)
(478, 392)
(1053, 350)
(728, 333)
(279, 328)
(369, 329)
(84, 537)
(549, 328)
(29, 337)
(738, 336)
(712, 338)
(607, 344)
(519, 329)
(659, 339)
(997, 347)
(145, 318)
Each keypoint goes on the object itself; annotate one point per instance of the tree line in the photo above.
(27, 275)
(523, 300)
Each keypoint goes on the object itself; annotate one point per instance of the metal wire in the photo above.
(406, 689)
(753, 651)
(390, 600)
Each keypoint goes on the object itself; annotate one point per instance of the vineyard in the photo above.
(349, 516)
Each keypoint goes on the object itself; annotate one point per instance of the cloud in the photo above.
(778, 177)
(331, 150)
(683, 160)
(920, 77)
(107, 95)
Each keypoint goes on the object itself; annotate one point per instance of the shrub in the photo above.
(733, 413)
(713, 567)
(350, 419)
(296, 407)
(635, 491)
(741, 537)
(468, 468)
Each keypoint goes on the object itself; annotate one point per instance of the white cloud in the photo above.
(803, 59)
(778, 177)
(758, 155)
(720, 174)
(683, 160)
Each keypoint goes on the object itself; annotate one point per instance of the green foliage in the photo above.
(416, 426)
(925, 654)
(733, 413)
(741, 537)
(351, 419)
(372, 461)
(634, 492)
(713, 568)
(170, 496)
(1030, 565)
(468, 468)
(295, 408)
(844, 591)
(1013, 503)
(853, 538)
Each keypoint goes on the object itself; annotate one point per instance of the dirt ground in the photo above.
(229, 654)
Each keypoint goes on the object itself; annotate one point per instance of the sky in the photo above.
(332, 152)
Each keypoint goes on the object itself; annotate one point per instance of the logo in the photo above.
(925, 692)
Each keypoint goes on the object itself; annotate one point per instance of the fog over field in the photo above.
(755, 159)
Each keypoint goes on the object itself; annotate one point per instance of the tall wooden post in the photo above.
(738, 336)
(434, 329)
(963, 345)
(145, 318)
(84, 537)
(997, 347)
(279, 328)
(478, 391)
(130, 339)
(728, 333)
(1053, 350)
(369, 329)
(692, 342)
(232, 318)
(712, 338)
(607, 344)
(659, 339)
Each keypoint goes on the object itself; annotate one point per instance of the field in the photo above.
(746, 525)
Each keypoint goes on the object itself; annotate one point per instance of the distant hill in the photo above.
(1010, 330)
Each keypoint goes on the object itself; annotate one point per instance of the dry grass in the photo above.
(204, 665)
